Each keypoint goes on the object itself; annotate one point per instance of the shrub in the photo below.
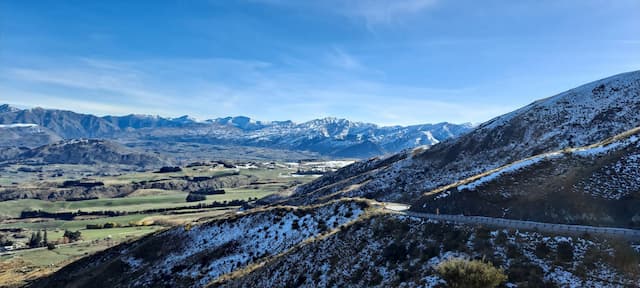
(295, 225)
(501, 238)
(51, 246)
(110, 225)
(94, 226)
(394, 252)
(463, 273)
(526, 275)
(565, 251)
(542, 250)
(625, 258)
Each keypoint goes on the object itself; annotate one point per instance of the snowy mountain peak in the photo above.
(4, 108)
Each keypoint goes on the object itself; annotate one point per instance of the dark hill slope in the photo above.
(593, 185)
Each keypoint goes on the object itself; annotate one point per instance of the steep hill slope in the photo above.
(595, 185)
(395, 251)
(364, 248)
(581, 116)
(196, 255)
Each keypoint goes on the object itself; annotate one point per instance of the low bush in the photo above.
(464, 273)
(565, 251)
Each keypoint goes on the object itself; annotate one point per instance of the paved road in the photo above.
(520, 224)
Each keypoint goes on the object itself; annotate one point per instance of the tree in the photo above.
(33, 241)
(462, 273)
(46, 241)
(39, 238)
(72, 236)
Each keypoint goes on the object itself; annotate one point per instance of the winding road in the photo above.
(518, 224)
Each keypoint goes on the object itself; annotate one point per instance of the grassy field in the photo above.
(165, 199)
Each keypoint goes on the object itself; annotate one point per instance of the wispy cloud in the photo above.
(208, 88)
(370, 12)
(375, 12)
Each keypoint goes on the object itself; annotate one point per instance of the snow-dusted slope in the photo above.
(392, 251)
(581, 116)
(596, 185)
(195, 255)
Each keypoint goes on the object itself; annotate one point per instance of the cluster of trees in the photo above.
(107, 225)
(80, 183)
(40, 239)
(169, 169)
(72, 236)
(193, 197)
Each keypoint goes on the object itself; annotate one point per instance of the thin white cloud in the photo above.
(209, 88)
(339, 58)
(375, 12)
(370, 12)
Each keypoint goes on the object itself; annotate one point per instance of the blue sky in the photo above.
(386, 62)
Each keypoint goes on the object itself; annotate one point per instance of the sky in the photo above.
(385, 62)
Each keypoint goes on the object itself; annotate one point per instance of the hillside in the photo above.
(578, 117)
(396, 251)
(358, 248)
(26, 135)
(594, 185)
(196, 255)
(89, 152)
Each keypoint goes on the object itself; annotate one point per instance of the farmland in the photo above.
(133, 219)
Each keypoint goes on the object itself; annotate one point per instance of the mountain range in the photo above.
(330, 137)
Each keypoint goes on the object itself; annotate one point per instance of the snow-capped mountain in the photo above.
(578, 117)
(329, 136)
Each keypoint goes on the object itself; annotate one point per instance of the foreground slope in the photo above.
(578, 117)
(593, 185)
(388, 250)
(196, 255)
(345, 243)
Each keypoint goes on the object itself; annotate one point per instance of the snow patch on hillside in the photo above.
(509, 169)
